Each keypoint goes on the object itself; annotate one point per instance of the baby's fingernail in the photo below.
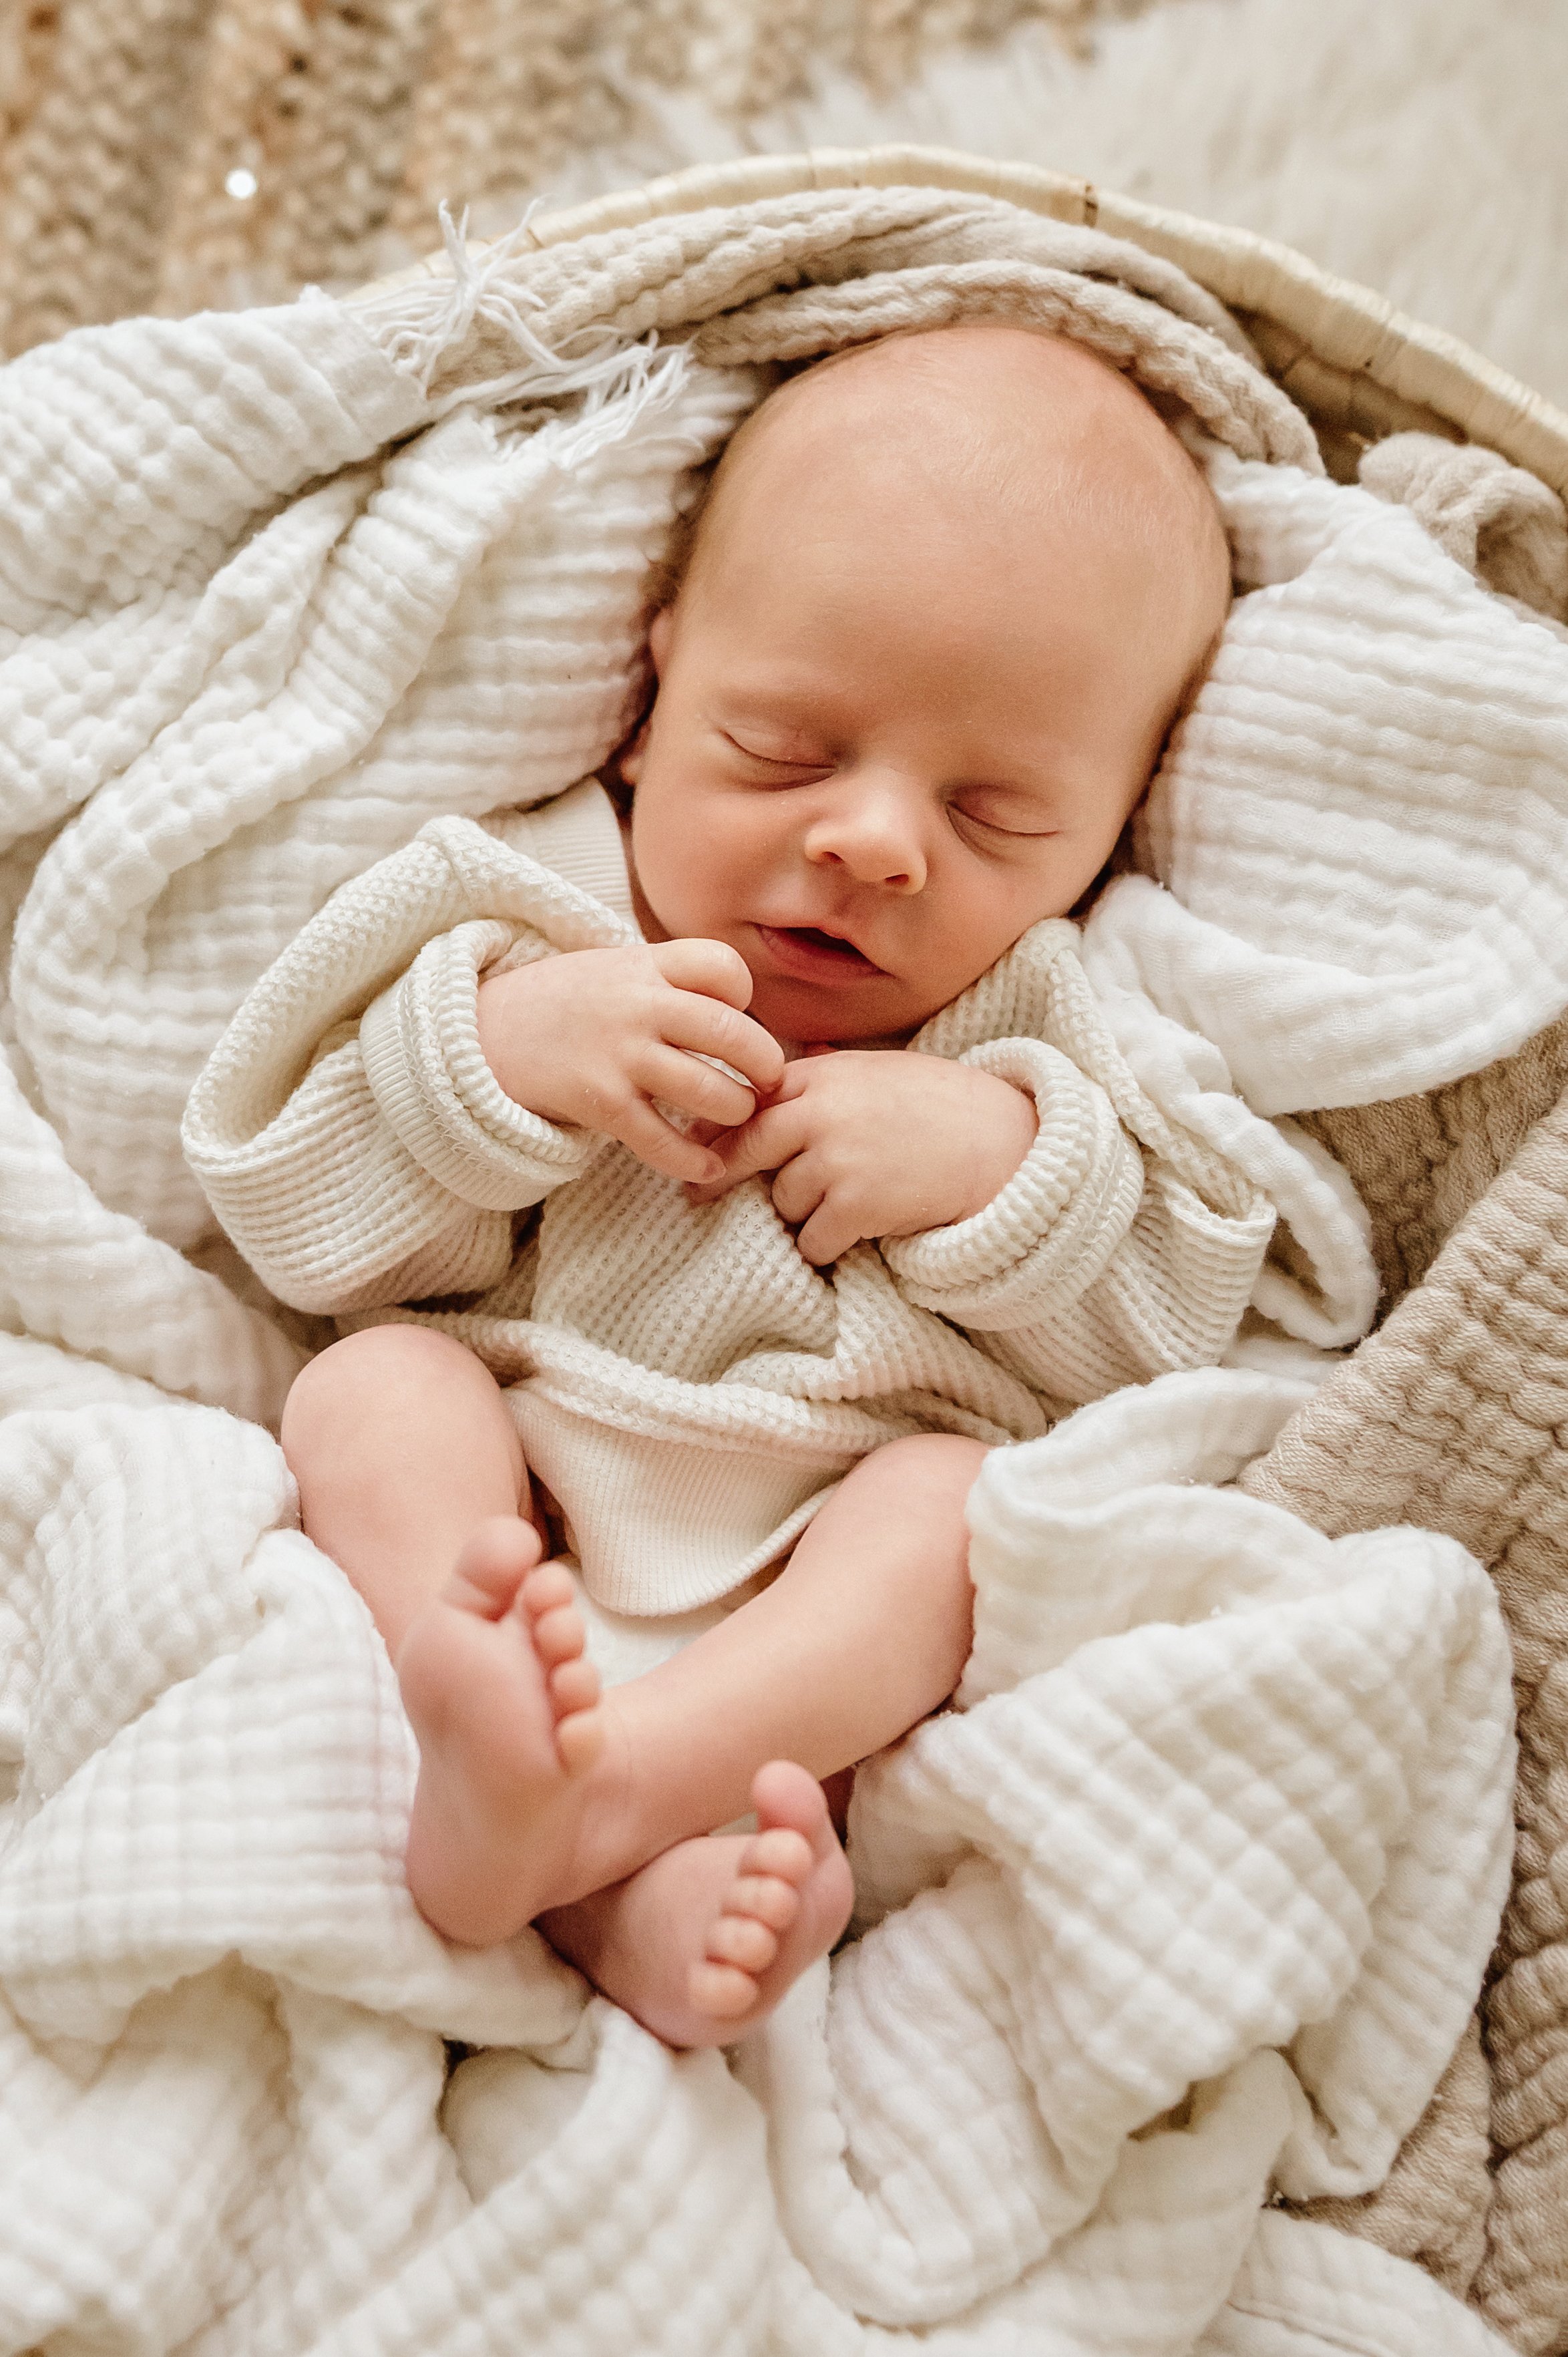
(714, 1169)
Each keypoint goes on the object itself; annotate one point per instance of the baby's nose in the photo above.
(875, 838)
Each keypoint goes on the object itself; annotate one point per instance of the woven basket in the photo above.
(1358, 366)
(1430, 1421)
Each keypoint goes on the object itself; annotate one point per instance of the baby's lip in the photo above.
(816, 952)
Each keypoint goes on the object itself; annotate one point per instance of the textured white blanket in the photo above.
(1208, 1872)
(1188, 1903)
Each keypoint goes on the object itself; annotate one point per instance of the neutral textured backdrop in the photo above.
(1414, 145)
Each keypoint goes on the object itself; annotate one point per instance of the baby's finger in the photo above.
(653, 1141)
(770, 1137)
(711, 967)
(827, 1234)
(692, 1086)
(798, 1188)
(709, 1028)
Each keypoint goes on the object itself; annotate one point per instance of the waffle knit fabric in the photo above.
(683, 1381)
(1193, 1898)
(1453, 1411)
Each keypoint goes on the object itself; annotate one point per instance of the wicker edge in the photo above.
(1355, 363)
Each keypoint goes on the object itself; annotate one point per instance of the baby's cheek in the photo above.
(685, 877)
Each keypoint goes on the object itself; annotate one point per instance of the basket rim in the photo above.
(1394, 368)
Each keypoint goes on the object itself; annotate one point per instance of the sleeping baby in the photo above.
(757, 1157)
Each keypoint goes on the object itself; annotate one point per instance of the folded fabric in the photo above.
(278, 589)
(1191, 1897)
(1362, 826)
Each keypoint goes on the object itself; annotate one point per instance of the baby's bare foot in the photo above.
(788, 1899)
(704, 1941)
(506, 1709)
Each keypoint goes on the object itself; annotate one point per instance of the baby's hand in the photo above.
(594, 1035)
(876, 1142)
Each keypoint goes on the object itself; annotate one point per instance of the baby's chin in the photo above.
(810, 1016)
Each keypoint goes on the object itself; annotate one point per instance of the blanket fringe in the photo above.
(422, 323)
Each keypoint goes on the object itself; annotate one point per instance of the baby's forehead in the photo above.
(1002, 420)
(962, 386)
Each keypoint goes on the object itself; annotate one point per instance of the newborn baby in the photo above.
(944, 600)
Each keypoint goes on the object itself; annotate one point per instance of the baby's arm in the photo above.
(1007, 1195)
(1111, 1256)
(1130, 1273)
(456, 1033)
(346, 1128)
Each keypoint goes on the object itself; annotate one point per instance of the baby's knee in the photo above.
(908, 1500)
(935, 1470)
(367, 1377)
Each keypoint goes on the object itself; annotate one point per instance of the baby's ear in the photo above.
(629, 759)
(659, 632)
(657, 653)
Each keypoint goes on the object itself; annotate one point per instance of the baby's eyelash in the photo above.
(1014, 833)
(771, 760)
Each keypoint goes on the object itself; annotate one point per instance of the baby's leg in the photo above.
(866, 1630)
(402, 1448)
(533, 1800)
(411, 1477)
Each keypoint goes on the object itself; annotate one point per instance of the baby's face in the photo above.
(897, 724)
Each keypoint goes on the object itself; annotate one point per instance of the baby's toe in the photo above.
(495, 1561)
(559, 1635)
(573, 1685)
(769, 1897)
(781, 1853)
(721, 1991)
(742, 1940)
(547, 1587)
(579, 1740)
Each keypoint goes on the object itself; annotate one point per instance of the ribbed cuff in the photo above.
(1041, 1242)
(427, 1072)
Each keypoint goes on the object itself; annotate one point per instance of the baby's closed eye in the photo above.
(778, 749)
(1003, 810)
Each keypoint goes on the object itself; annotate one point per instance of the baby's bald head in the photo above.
(991, 432)
(945, 599)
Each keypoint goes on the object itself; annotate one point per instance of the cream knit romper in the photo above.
(684, 1382)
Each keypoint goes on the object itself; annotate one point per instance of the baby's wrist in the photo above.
(1009, 1133)
(514, 1068)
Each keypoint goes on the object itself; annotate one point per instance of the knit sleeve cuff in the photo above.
(1039, 1246)
(427, 1072)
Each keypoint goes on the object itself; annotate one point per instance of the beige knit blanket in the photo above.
(139, 809)
(1454, 1413)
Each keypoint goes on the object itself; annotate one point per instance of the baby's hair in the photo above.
(666, 575)
(673, 562)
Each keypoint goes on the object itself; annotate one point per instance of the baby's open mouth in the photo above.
(807, 949)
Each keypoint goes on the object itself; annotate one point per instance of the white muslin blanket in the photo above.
(1187, 1905)
(1190, 1899)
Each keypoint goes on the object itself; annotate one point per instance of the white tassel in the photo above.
(418, 324)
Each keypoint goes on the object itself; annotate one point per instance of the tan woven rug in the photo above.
(1452, 1417)
(169, 155)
